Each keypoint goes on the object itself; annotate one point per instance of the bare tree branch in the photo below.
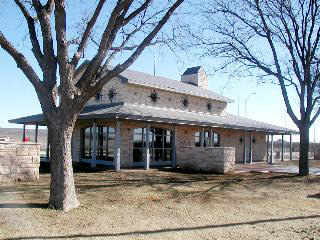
(86, 34)
(36, 49)
(120, 67)
(21, 61)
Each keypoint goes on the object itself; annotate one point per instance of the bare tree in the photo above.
(131, 25)
(275, 40)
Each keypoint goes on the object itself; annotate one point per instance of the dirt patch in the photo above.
(160, 204)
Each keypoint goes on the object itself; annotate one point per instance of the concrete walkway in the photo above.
(278, 167)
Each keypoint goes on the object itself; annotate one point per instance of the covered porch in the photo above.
(127, 135)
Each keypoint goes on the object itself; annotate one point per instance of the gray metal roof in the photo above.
(149, 113)
(148, 80)
(192, 70)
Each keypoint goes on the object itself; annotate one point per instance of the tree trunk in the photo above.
(62, 189)
(304, 150)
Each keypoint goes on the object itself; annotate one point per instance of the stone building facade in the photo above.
(141, 120)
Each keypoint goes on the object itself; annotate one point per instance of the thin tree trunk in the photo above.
(62, 188)
(304, 150)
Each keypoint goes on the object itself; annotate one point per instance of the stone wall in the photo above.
(216, 160)
(115, 84)
(19, 161)
(140, 95)
(231, 138)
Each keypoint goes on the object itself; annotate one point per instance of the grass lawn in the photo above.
(159, 204)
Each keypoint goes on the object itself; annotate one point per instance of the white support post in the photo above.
(267, 148)
(282, 148)
(211, 138)
(118, 148)
(201, 137)
(94, 145)
(290, 147)
(147, 157)
(250, 146)
(271, 157)
(36, 133)
(244, 148)
(174, 148)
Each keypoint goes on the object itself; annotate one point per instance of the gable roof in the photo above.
(148, 80)
(168, 115)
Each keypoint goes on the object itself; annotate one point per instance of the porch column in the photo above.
(118, 149)
(290, 147)
(94, 145)
(282, 148)
(174, 148)
(244, 148)
(211, 137)
(202, 137)
(271, 157)
(147, 160)
(48, 145)
(36, 133)
(250, 145)
(23, 132)
(267, 148)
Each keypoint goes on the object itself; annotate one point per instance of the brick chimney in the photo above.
(195, 76)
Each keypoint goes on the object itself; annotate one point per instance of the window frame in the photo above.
(104, 149)
(158, 153)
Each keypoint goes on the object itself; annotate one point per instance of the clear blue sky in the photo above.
(18, 98)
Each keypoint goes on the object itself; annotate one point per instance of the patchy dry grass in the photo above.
(160, 204)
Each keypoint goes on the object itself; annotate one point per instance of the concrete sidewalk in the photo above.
(278, 167)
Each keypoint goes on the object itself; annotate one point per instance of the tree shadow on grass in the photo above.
(168, 230)
(79, 168)
(24, 205)
(317, 196)
(215, 181)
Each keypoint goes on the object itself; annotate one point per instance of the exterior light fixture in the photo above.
(154, 96)
(185, 102)
(112, 93)
(98, 96)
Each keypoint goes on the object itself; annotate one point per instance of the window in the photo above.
(206, 140)
(160, 144)
(215, 139)
(86, 136)
(105, 145)
(138, 144)
(197, 139)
